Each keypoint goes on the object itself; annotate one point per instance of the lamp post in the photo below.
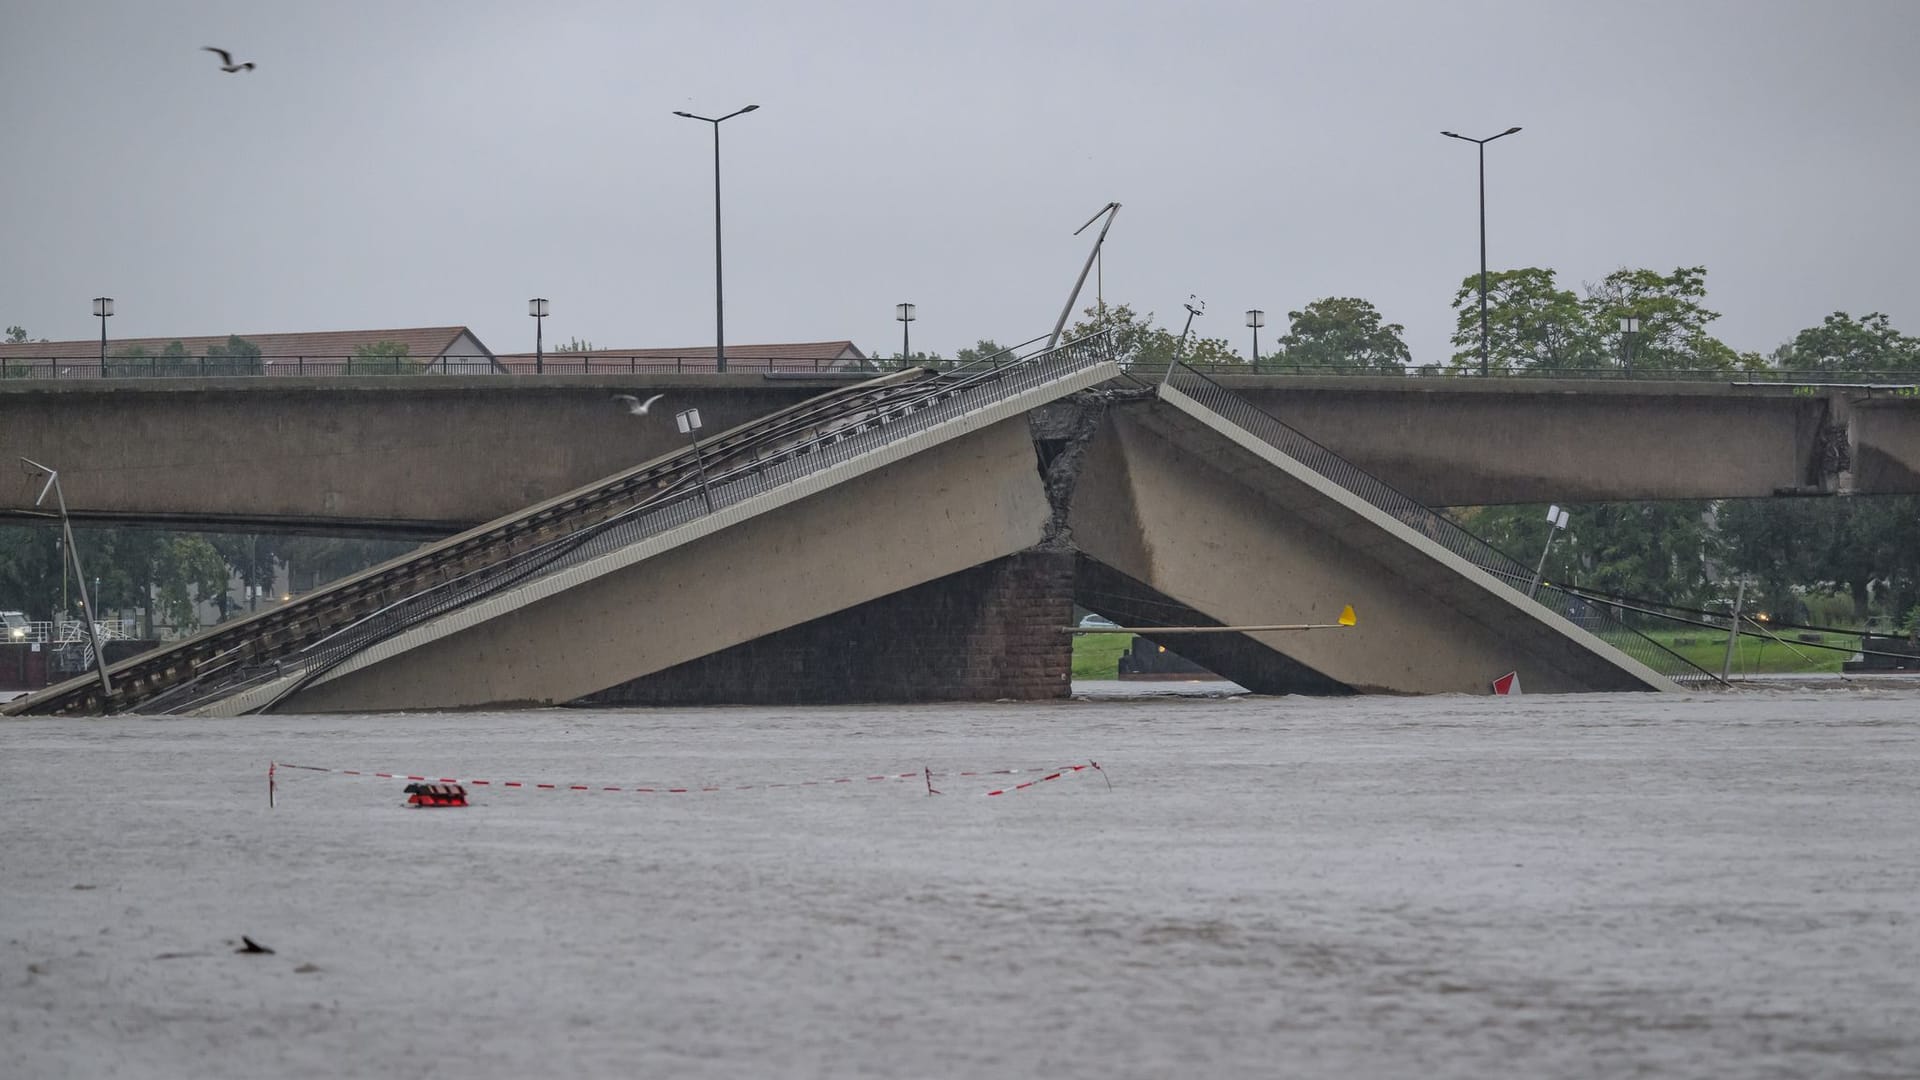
(688, 420)
(904, 313)
(1256, 319)
(1482, 144)
(80, 575)
(1629, 326)
(103, 307)
(719, 294)
(537, 307)
(1556, 523)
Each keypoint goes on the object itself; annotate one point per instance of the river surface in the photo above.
(1711, 885)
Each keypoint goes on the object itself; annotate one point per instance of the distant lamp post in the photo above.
(91, 617)
(537, 307)
(1556, 524)
(719, 305)
(688, 420)
(904, 313)
(1629, 326)
(1256, 319)
(1482, 144)
(103, 308)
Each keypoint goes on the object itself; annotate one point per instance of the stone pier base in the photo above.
(983, 634)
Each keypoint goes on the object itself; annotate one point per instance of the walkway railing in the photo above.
(919, 407)
(1597, 619)
(89, 368)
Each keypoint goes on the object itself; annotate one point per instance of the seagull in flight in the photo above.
(226, 60)
(635, 405)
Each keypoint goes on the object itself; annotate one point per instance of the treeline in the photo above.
(1534, 325)
(163, 577)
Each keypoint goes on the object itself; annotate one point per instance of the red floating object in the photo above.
(436, 795)
(1507, 684)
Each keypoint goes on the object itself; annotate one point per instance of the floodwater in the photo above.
(1714, 885)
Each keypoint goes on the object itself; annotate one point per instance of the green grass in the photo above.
(1757, 656)
(1097, 656)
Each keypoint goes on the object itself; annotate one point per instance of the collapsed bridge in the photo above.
(917, 536)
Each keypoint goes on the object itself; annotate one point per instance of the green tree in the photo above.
(382, 358)
(1673, 320)
(1844, 343)
(1137, 342)
(1342, 332)
(1532, 324)
(237, 356)
(187, 571)
(1656, 550)
(576, 345)
(134, 361)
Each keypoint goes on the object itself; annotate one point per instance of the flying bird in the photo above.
(226, 60)
(635, 405)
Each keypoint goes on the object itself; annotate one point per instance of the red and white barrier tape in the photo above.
(925, 774)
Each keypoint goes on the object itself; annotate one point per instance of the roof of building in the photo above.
(422, 342)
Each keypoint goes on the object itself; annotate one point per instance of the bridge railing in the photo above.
(1602, 621)
(918, 407)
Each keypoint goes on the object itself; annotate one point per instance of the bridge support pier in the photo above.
(984, 634)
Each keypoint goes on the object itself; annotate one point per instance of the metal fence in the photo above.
(918, 407)
(209, 367)
(1606, 623)
(45, 367)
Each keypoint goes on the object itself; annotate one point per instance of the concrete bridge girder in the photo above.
(1167, 502)
(428, 455)
(942, 510)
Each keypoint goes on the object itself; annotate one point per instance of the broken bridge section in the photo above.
(1199, 499)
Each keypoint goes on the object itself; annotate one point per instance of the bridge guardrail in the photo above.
(1593, 617)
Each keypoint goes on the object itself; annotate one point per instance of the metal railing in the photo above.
(1596, 618)
(66, 631)
(920, 407)
(207, 367)
(1726, 376)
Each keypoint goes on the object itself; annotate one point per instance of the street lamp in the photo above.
(1629, 326)
(80, 574)
(103, 307)
(688, 420)
(1556, 523)
(1256, 319)
(537, 307)
(1482, 144)
(719, 306)
(904, 313)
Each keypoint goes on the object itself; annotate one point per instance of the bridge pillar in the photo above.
(988, 633)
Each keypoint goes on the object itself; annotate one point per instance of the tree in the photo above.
(1532, 324)
(986, 349)
(1138, 342)
(1343, 332)
(1844, 343)
(1673, 320)
(382, 358)
(237, 356)
(576, 345)
(134, 361)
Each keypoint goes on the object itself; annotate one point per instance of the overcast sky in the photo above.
(424, 163)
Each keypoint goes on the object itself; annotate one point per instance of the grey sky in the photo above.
(426, 163)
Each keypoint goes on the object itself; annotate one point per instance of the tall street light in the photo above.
(904, 313)
(103, 307)
(1482, 144)
(719, 294)
(80, 574)
(537, 307)
(1256, 319)
(1629, 326)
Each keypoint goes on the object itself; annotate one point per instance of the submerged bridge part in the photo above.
(1218, 506)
